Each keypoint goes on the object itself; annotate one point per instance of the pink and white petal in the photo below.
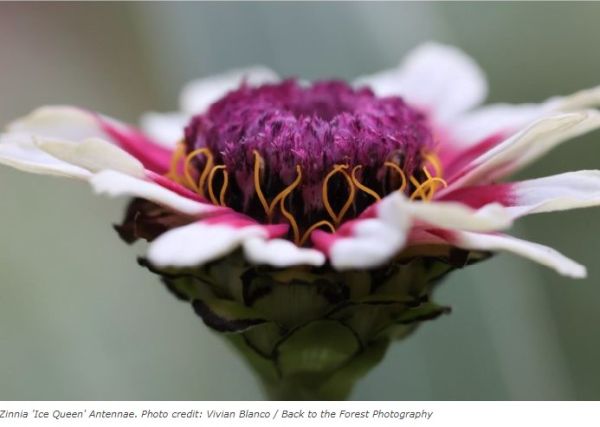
(166, 129)
(219, 235)
(454, 215)
(381, 232)
(116, 184)
(480, 195)
(235, 219)
(153, 156)
(454, 159)
(565, 191)
(75, 124)
(534, 251)
(423, 236)
(524, 148)
(368, 241)
(198, 243)
(280, 253)
(93, 154)
(199, 94)
(19, 152)
(442, 80)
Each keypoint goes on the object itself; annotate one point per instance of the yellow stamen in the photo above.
(314, 227)
(257, 165)
(350, 199)
(292, 221)
(173, 172)
(363, 187)
(422, 190)
(436, 180)
(435, 162)
(338, 217)
(223, 188)
(419, 188)
(199, 188)
(432, 188)
(286, 191)
(400, 172)
(426, 189)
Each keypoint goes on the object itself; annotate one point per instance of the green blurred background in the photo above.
(80, 320)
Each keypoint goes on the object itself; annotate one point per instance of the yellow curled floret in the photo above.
(286, 191)
(178, 154)
(211, 191)
(258, 163)
(198, 187)
(400, 172)
(323, 223)
(435, 162)
(281, 198)
(420, 189)
(337, 217)
(361, 186)
(426, 190)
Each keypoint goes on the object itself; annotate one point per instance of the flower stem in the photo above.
(314, 380)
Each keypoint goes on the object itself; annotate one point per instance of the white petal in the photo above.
(164, 128)
(199, 94)
(533, 251)
(492, 120)
(373, 241)
(280, 253)
(60, 122)
(17, 147)
(583, 99)
(526, 146)
(451, 215)
(65, 127)
(117, 184)
(556, 193)
(92, 154)
(198, 243)
(19, 152)
(506, 119)
(441, 79)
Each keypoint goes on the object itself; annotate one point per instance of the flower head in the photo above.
(276, 152)
(355, 197)
(301, 173)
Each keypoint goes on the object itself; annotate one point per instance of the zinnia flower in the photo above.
(309, 222)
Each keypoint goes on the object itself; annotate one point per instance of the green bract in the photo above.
(310, 333)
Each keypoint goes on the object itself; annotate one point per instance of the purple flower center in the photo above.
(313, 130)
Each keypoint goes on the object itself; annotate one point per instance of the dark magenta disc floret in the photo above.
(316, 127)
